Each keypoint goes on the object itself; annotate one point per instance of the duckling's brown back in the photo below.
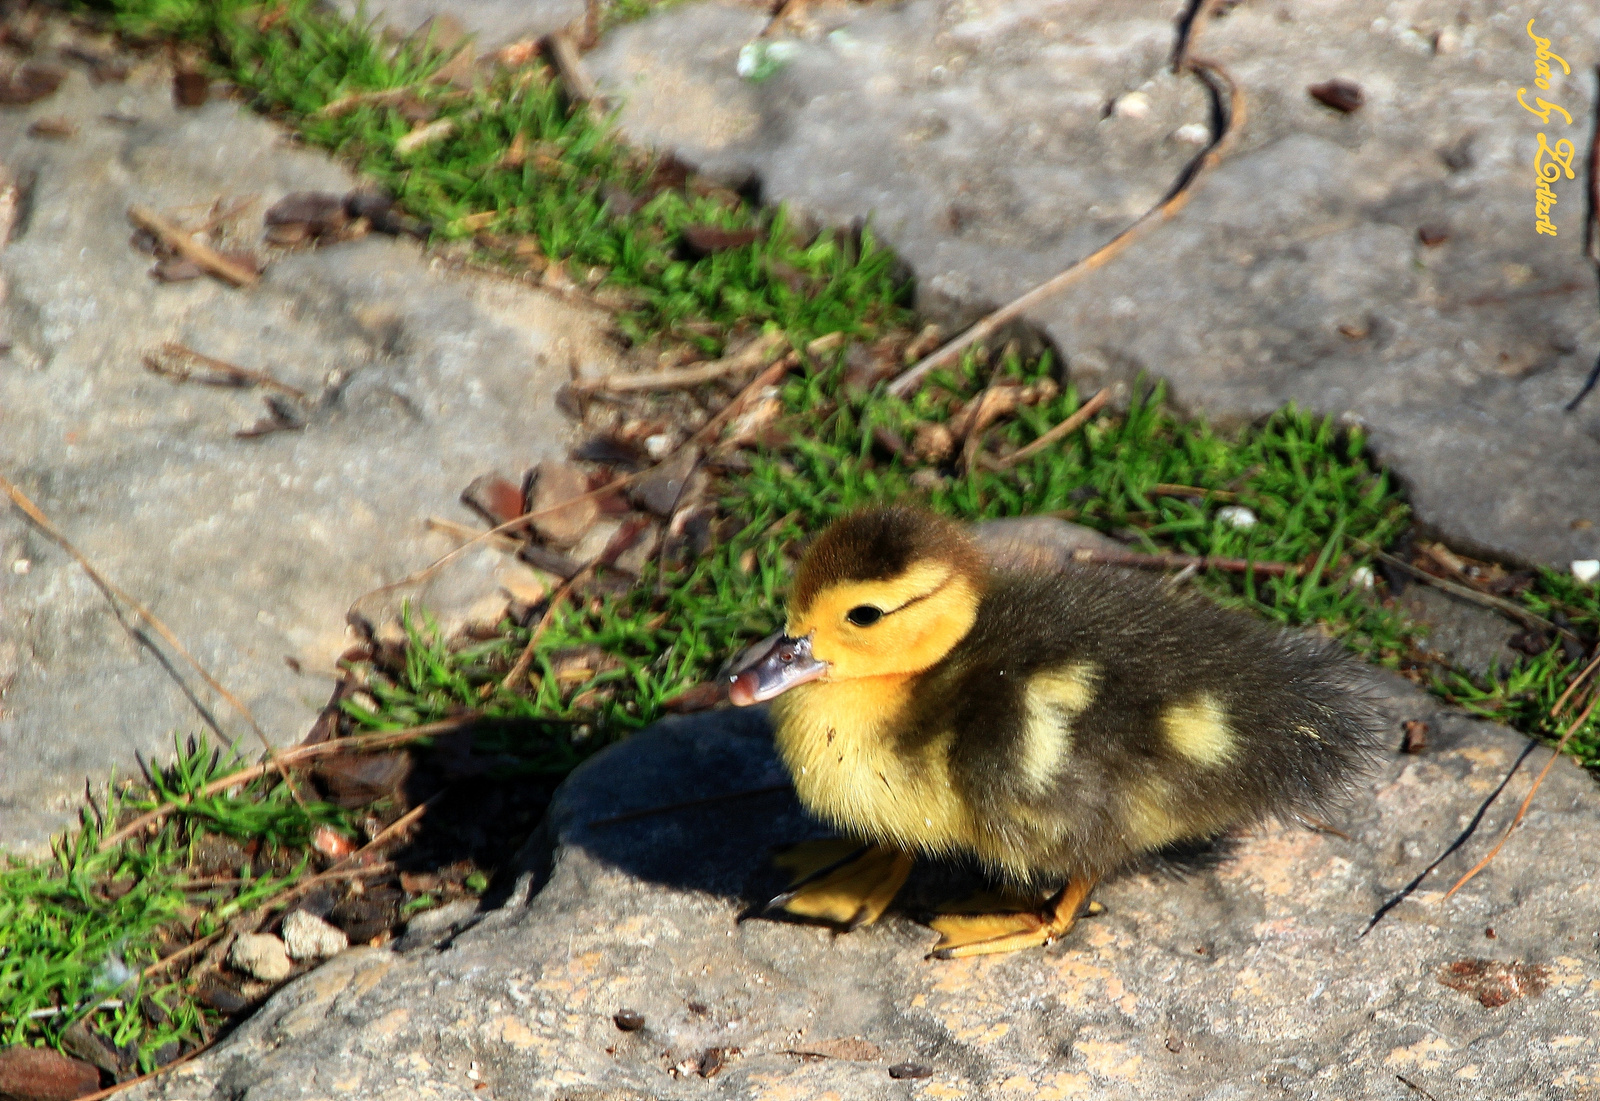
(1098, 716)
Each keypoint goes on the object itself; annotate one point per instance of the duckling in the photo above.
(1056, 726)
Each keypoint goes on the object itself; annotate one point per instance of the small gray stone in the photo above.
(308, 937)
(429, 927)
(260, 955)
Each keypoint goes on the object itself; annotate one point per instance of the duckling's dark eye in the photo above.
(864, 615)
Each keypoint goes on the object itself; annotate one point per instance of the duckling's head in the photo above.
(882, 592)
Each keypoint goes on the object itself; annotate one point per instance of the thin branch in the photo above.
(115, 594)
(525, 659)
(1078, 419)
(753, 354)
(1233, 116)
(383, 739)
(461, 531)
(1505, 607)
(766, 378)
(232, 375)
(184, 244)
(580, 86)
(1560, 704)
(1555, 755)
(1461, 839)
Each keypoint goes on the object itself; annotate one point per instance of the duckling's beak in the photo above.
(772, 667)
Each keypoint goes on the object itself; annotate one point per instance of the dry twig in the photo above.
(1555, 755)
(580, 86)
(118, 596)
(525, 659)
(232, 375)
(463, 532)
(751, 355)
(1466, 592)
(1078, 419)
(383, 739)
(1226, 92)
(183, 243)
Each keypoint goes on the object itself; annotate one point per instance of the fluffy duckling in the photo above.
(1055, 726)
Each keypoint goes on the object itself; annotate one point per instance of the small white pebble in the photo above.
(1361, 577)
(1586, 569)
(21, 566)
(261, 955)
(308, 937)
(1237, 516)
(1134, 105)
(1192, 133)
(472, 1072)
(658, 446)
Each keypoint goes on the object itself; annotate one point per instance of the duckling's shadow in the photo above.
(702, 803)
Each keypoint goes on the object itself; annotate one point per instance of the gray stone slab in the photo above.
(1247, 982)
(492, 23)
(249, 549)
(992, 143)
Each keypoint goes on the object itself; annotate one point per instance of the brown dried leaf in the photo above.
(704, 240)
(190, 88)
(30, 83)
(356, 780)
(1494, 982)
(495, 498)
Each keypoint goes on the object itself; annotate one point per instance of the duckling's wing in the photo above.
(1109, 713)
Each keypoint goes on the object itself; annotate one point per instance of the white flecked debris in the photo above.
(1237, 516)
(1586, 569)
(1361, 577)
(1192, 133)
(308, 937)
(261, 955)
(1134, 105)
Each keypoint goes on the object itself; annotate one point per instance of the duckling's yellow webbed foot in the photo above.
(841, 883)
(983, 934)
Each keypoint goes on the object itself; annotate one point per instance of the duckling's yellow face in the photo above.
(899, 625)
(883, 592)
